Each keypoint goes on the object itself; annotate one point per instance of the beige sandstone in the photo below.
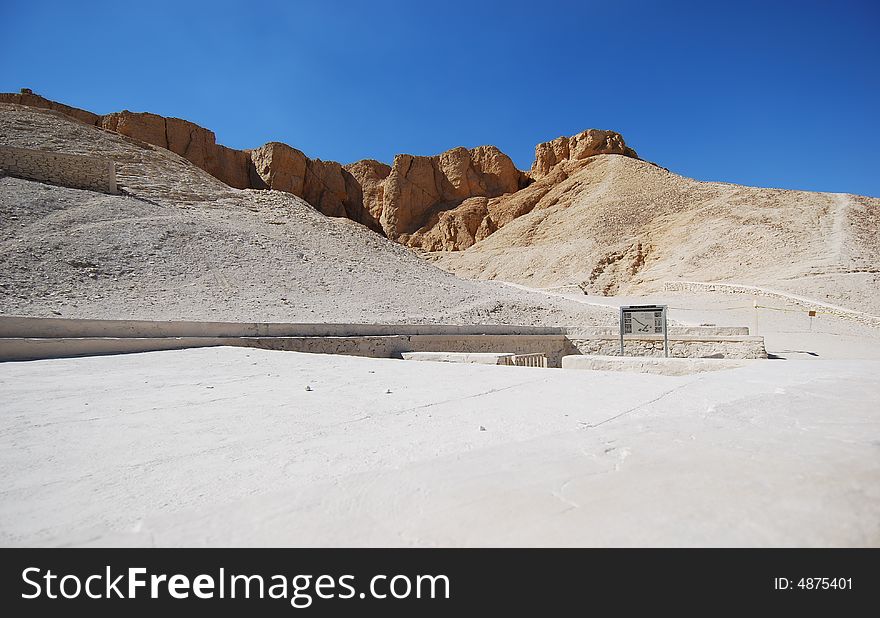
(26, 97)
(585, 144)
(335, 192)
(280, 167)
(189, 140)
(450, 221)
(371, 175)
(454, 229)
(144, 126)
(460, 227)
(326, 185)
(418, 189)
(611, 224)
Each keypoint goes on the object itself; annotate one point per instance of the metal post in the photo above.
(621, 331)
(665, 334)
(755, 305)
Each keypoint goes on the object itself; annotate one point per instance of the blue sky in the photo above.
(779, 94)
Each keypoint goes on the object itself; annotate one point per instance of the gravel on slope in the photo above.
(251, 256)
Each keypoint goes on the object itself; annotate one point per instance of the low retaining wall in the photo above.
(24, 338)
(808, 303)
(662, 366)
(590, 332)
(383, 346)
(69, 170)
(393, 346)
(467, 358)
(23, 348)
(16, 326)
(680, 346)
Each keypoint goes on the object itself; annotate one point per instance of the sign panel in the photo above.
(637, 321)
(643, 320)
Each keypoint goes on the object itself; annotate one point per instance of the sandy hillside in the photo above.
(182, 245)
(614, 224)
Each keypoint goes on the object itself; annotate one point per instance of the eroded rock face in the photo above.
(332, 190)
(26, 97)
(455, 229)
(437, 195)
(411, 189)
(498, 174)
(460, 227)
(144, 126)
(474, 219)
(418, 187)
(229, 165)
(189, 140)
(280, 167)
(585, 144)
(371, 175)
(326, 185)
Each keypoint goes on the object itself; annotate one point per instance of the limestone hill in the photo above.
(612, 224)
(180, 244)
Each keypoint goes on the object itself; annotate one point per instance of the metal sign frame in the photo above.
(630, 309)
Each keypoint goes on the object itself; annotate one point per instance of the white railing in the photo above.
(530, 360)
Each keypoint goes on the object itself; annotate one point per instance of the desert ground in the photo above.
(239, 446)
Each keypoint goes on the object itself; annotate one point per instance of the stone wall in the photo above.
(22, 326)
(590, 332)
(69, 170)
(23, 338)
(393, 346)
(680, 346)
(661, 366)
(751, 290)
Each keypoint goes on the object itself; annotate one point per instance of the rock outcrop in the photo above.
(585, 144)
(334, 191)
(455, 229)
(280, 167)
(27, 97)
(458, 227)
(418, 188)
(189, 140)
(371, 175)
(326, 185)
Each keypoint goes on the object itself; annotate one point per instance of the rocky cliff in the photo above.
(417, 189)
(458, 227)
(326, 185)
(585, 144)
(187, 139)
(27, 97)
(444, 202)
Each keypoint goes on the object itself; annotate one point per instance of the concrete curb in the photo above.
(662, 366)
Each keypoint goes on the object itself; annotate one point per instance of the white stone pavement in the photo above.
(225, 446)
